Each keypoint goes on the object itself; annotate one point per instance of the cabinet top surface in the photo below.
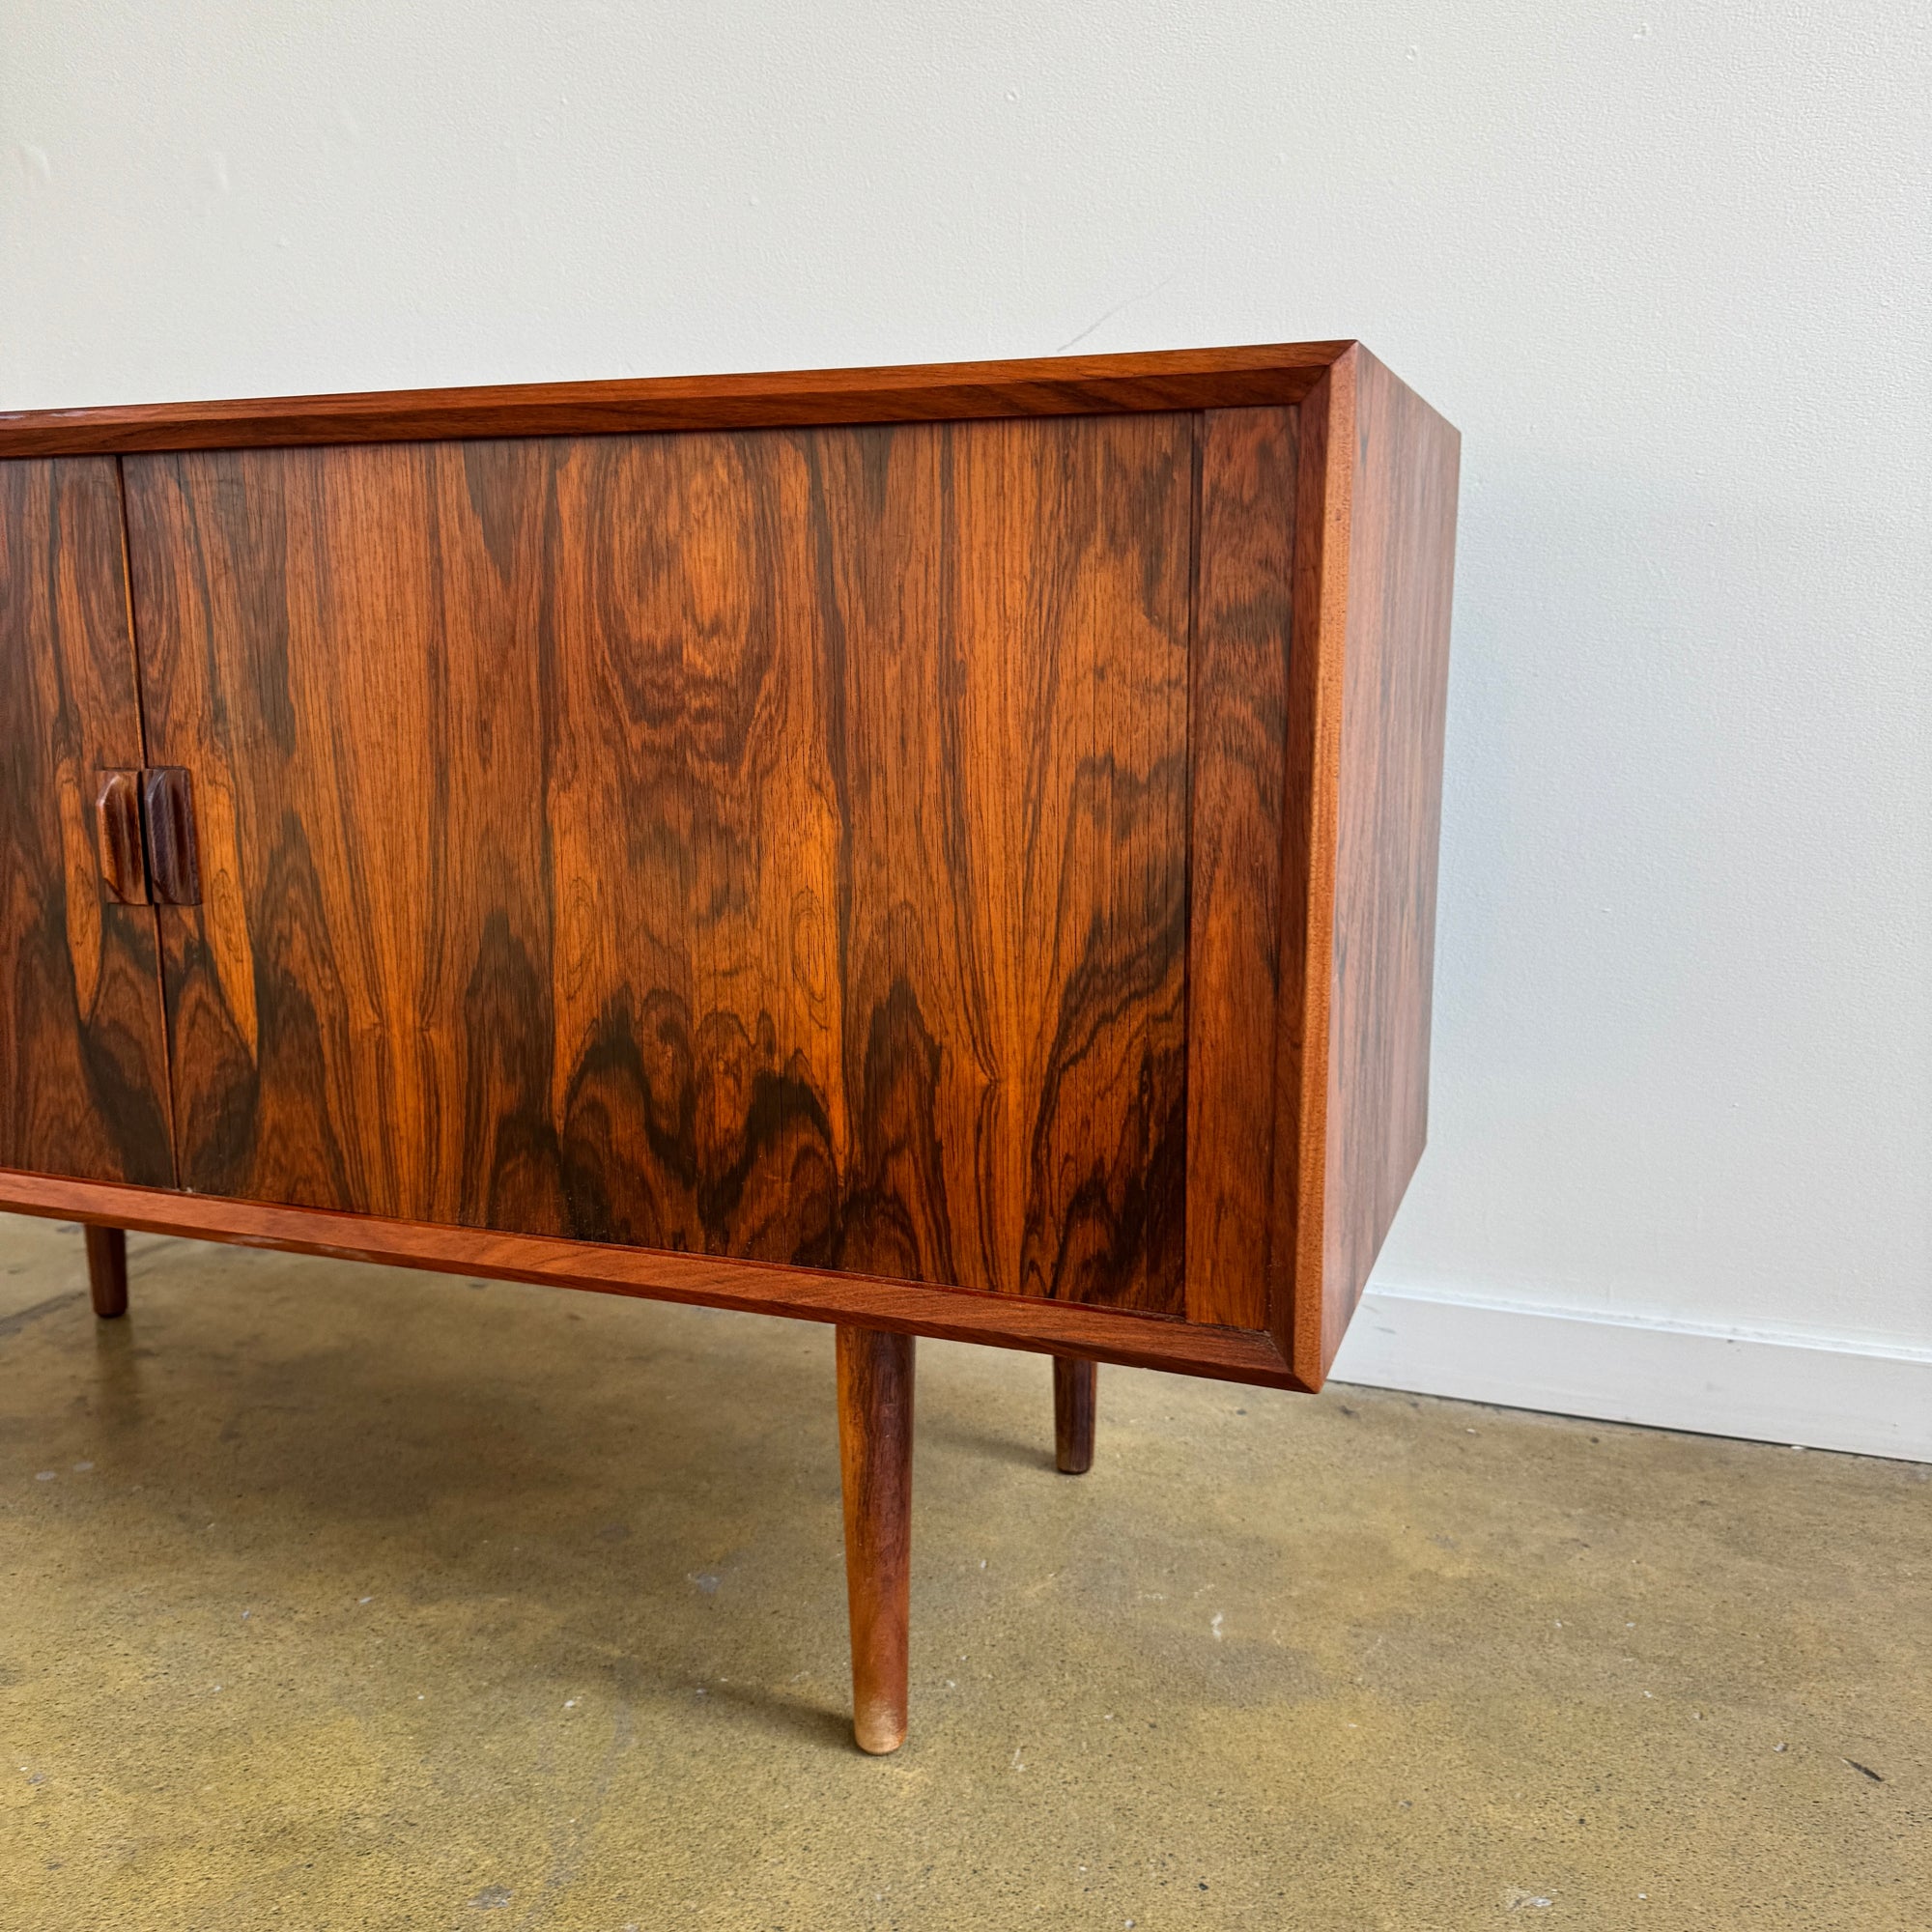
(1169, 378)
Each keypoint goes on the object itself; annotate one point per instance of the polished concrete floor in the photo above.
(340, 1597)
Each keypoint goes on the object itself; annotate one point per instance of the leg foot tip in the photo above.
(878, 1734)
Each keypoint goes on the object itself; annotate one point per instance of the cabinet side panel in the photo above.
(1401, 565)
(768, 845)
(1244, 614)
(82, 1054)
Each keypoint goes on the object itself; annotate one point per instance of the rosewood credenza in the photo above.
(943, 851)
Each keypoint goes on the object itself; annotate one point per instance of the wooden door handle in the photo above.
(117, 827)
(167, 815)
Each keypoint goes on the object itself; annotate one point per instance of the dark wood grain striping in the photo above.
(767, 846)
(1401, 561)
(760, 1288)
(82, 1061)
(1239, 729)
(1263, 375)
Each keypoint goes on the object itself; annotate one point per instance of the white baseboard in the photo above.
(1769, 1388)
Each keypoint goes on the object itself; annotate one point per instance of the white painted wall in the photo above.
(1665, 264)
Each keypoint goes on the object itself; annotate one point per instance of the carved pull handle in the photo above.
(117, 826)
(167, 810)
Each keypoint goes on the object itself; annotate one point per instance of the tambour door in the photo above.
(771, 843)
(83, 1086)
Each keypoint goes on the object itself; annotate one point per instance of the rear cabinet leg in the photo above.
(876, 1380)
(1076, 1389)
(108, 1270)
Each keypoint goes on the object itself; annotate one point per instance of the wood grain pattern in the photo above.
(1239, 764)
(875, 1409)
(1401, 564)
(767, 846)
(1271, 374)
(107, 1272)
(759, 1288)
(82, 1062)
(1076, 1386)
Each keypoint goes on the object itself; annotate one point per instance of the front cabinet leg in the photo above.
(1076, 1389)
(875, 1376)
(108, 1270)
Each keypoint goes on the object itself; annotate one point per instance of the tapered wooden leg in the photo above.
(875, 1466)
(1075, 1387)
(108, 1270)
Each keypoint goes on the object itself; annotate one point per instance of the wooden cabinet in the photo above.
(940, 850)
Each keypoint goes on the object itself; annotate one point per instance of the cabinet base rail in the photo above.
(1126, 1337)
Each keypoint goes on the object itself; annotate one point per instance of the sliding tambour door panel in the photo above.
(765, 844)
(82, 1060)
